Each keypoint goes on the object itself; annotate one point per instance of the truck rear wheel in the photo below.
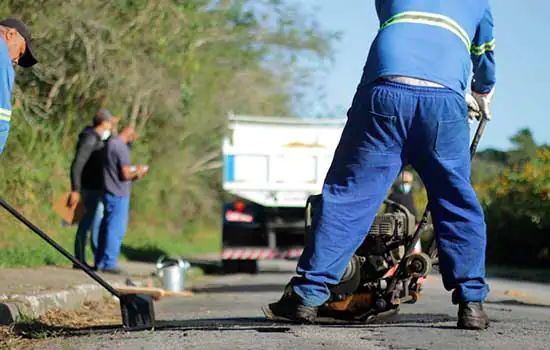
(240, 266)
(249, 266)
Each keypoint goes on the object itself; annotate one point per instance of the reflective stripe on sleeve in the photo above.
(481, 49)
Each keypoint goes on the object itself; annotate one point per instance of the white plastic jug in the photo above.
(172, 273)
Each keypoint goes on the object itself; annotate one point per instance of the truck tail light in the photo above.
(239, 206)
(235, 213)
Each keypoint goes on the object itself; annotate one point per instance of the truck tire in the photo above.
(240, 266)
(230, 266)
(248, 266)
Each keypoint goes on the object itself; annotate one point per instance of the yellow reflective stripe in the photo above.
(4, 111)
(481, 49)
(5, 114)
(430, 19)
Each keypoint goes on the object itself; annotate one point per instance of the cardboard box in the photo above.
(70, 214)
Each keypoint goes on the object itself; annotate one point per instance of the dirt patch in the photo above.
(104, 314)
(91, 313)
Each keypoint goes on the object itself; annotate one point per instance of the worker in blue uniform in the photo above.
(410, 106)
(15, 48)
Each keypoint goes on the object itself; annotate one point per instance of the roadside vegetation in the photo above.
(174, 70)
(514, 189)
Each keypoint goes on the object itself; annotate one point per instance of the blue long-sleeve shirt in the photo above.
(441, 41)
(7, 76)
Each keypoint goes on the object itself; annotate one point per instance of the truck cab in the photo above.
(271, 166)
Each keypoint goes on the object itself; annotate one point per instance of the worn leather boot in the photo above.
(290, 308)
(472, 316)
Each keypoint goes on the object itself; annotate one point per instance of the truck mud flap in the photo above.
(260, 253)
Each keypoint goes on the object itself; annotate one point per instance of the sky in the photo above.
(522, 58)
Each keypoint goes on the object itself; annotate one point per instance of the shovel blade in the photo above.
(138, 312)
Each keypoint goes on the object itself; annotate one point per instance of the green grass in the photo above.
(146, 243)
(20, 247)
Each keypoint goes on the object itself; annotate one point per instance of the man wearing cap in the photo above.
(87, 179)
(15, 48)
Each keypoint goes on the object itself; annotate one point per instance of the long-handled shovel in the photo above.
(137, 310)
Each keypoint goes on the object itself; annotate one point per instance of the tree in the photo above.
(172, 68)
(525, 147)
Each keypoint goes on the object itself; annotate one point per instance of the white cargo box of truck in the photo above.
(271, 166)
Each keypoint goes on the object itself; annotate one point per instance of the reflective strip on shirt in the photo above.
(481, 49)
(430, 19)
(5, 114)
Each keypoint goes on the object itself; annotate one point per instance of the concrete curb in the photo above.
(20, 307)
(17, 308)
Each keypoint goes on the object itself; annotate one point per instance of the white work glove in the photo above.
(474, 112)
(483, 101)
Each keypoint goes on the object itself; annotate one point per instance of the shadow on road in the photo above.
(35, 330)
(142, 254)
(514, 302)
(39, 330)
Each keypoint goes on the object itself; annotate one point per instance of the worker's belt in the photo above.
(5, 114)
(412, 81)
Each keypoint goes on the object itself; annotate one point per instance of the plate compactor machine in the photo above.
(385, 270)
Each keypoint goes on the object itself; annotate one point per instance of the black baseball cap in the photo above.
(28, 59)
(104, 115)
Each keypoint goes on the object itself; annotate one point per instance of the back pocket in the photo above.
(381, 132)
(452, 139)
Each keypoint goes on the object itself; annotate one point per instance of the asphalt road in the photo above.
(226, 314)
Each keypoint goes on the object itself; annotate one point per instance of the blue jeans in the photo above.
(113, 228)
(4, 132)
(390, 124)
(93, 201)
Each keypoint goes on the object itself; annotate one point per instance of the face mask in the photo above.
(106, 134)
(405, 187)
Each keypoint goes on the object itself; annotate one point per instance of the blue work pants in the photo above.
(389, 124)
(93, 201)
(113, 229)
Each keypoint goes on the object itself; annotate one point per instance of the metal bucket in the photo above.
(172, 273)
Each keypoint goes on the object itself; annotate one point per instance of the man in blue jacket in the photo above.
(408, 108)
(15, 48)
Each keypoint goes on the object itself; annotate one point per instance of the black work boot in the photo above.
(290, 308)
(472, 316)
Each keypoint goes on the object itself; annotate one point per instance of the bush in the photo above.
(517, 209)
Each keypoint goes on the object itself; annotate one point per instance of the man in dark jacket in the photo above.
(87, 179)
